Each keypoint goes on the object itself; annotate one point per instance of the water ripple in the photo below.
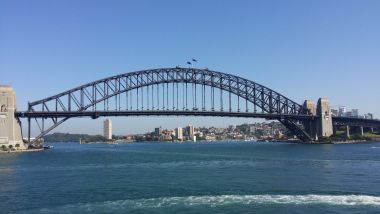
(215, 201)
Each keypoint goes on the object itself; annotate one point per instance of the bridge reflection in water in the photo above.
(184, 92)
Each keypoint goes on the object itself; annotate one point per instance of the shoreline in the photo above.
(23, 150)
(354, 142)
(234, 141)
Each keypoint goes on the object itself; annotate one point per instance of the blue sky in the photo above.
(303, 49)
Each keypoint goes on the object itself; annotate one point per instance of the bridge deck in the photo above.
(274, 116)
(96, 114)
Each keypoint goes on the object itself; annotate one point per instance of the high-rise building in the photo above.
(190, 131)
(158, 131)
(179, 133)
(107, 129)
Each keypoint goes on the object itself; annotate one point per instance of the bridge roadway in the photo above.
(351, 121)
(96, 114)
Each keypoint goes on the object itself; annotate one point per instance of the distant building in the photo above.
(278, 134)
(355, 113)
(130, 137)
(210, 137)
(334, 112)
(252, 129)
(158, 131)
(179, 133)
(107, 129)
(166, 135)
(368, 116)
(342, 111)
(190, 131)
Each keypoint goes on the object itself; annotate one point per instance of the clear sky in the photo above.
(303, 49)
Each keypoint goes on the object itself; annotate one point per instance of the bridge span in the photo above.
(184, 92)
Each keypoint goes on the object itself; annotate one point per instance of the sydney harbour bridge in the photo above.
(184, 92)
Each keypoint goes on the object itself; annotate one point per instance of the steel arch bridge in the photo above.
(168, 91)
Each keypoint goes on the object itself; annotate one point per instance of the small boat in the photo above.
(48, 147)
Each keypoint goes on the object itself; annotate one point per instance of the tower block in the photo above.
(324, 122)
(10, 126)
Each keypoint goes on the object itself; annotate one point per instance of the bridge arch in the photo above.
(87, 97)
(267, 99)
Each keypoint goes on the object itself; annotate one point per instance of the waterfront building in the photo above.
(158, 131)
(190, 131)
(168, 132)
(210, 137)
(179, 133)
(107, 129)
(166, 137)
(252, 129)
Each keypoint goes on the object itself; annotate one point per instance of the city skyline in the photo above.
(253, 131)
(323, 59)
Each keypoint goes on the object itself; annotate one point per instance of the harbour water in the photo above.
(219, 177)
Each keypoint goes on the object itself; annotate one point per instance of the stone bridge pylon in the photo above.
(322, 124)
(10, 126)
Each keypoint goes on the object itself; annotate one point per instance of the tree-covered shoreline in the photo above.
(67, 137)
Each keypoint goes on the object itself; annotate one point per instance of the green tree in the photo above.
(3, 147)
(17, 145)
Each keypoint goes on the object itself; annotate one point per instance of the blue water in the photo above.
(193, 178)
